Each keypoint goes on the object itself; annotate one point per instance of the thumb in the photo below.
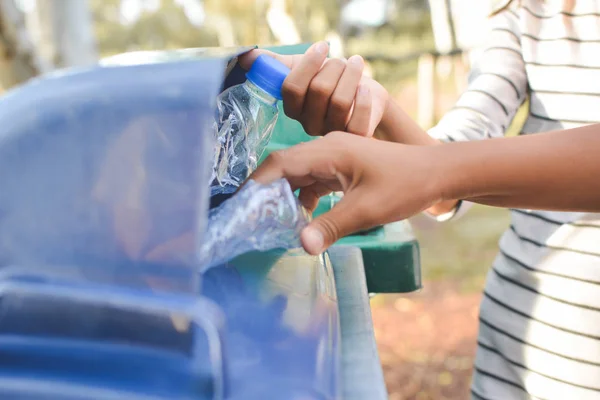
(343, 219)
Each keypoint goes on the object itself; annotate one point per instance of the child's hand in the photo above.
(323, 95)
(382, 182)
(327, 95)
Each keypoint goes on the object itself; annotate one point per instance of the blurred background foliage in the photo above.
(165, 24)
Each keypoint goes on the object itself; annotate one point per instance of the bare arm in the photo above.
(497, 87)
(385, 182)
(552, 171)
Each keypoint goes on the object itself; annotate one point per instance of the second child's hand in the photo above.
(372, 173)
(384, 182)
(328, 94)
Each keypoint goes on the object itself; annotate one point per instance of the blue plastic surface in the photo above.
(99, 168)
(104, 166)
(268, 74)
(61, 340)
(282, 325)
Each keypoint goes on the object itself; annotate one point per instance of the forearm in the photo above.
(555, 171)
(397, 126)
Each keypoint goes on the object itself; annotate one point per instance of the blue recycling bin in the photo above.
(102, 174)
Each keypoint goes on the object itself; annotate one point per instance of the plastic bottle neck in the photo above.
(263, 96)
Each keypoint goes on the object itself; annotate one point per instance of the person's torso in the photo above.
(541, 307)
(561, 50)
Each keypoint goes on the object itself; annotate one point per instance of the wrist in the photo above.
(397, 126)
(446, 177)
(460, 168)
(384, 130)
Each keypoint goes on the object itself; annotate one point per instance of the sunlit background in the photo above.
(426, 340)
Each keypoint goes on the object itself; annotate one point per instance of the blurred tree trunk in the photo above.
(19, 60)
(66, 35)
(223, 27)
(263, 32)
(282, 24)
(219, 20)
(442, 22)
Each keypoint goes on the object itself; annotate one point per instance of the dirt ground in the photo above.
(427, 341)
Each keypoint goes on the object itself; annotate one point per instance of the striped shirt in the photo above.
(539, 334)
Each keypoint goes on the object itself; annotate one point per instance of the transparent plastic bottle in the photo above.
(246, 116)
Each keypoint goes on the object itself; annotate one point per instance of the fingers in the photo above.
(360, 121)
(318, 168)
(309, 195)
(324, 95)
(345, 218)
(294, 164)
(302, 165)
(246, 60)
(328, 160)
(342, 98)
(318, 97)
(296, 84)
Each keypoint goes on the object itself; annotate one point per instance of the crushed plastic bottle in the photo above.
(258, 218)
(246, 116)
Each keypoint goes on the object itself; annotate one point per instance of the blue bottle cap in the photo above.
(268, 74)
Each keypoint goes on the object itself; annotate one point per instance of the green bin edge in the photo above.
(390, 253)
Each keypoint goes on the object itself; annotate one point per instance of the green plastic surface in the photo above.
(391, 252)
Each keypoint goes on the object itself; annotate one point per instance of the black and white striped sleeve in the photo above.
(497, 86)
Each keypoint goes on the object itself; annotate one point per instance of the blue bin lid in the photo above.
(99, 166)
(104, 165)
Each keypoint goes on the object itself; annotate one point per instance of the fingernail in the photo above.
(356, 60)
(321, 48)
(363, 90)
(313, 240)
